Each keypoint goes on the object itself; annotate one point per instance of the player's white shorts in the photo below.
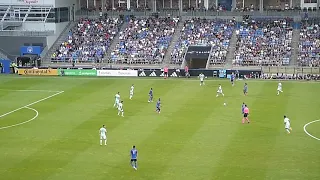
(131, 93)
(287, 126)
(219, 91)
(279, 89)
(104, 137)
(121, 110)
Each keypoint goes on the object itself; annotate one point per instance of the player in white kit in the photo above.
(103, 135)
(287, 125)
(279, 88)
(120, 109)
(201, 76)
(131, 91)
(117, 100)
(219, 91)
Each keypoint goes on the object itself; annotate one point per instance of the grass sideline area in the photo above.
(195, 137)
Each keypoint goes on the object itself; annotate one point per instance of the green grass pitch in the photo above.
(194, 138)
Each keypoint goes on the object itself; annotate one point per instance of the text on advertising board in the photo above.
(118, 73)
(38, 72)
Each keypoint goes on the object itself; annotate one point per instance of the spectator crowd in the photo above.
(309, 46)
(145, 40)
(88, 41)
(216, 33)
(264, 42)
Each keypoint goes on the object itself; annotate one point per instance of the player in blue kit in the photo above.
(158, 106)
(150, 95)
(134, 156)
(245, 89)
(232, 79)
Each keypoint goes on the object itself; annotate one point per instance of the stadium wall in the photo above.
(59, 27)
(13, 43)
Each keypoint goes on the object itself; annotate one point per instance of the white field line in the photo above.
(28, 90)
(305, 126)
(37, 114)
(27, 106)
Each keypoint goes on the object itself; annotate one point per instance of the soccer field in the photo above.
(49, 130)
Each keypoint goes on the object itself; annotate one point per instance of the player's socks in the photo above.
(100, 142)
(290, 128)
(288, 131)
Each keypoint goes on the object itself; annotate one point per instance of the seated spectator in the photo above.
(89, 40)
(264, 43)
(216, 33)
(309, 46)
(144, 41)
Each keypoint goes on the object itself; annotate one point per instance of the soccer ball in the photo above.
(224, 104)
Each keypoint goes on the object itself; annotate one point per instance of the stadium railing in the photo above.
(289, 70)
(26, 33)
(175, 12)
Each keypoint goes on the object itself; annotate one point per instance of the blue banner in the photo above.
(34, 50)
(5, 66)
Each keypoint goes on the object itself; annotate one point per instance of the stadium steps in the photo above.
(175, 39)
(115, 41)
(62, 38)
(232, 49)
(295, 47)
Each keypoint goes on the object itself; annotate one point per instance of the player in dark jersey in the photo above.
(158, 106)
(232, 79)
(245, 89)
(150, 95)
(134, 157)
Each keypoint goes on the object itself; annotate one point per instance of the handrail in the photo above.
(5, 15)
(45, 19)
(27, 14)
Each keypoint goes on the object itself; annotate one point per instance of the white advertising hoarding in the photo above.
(118, 73)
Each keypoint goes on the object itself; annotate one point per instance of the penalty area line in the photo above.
(27, 106)
(305, 130)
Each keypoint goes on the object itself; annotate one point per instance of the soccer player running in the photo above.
(117, 100)
(134, 157)
(245, 89)
(279, 88)
(287, 125)
(219, 91)
(245, 114)
(232, 79)
(120, 109)
(131, 91)
(150, 95)
(201, 76)
(103, 135)
(158, 106)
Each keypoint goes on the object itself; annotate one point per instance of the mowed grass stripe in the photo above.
(140, 134)
(202, 152)
(232, 161)
(170, 138)
(120, 130)
(296, 167)
(56, 144)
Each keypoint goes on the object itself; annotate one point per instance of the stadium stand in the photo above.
(216, 33)
(144, 41)
(264, 42)
(309, 46)
(88, 41)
